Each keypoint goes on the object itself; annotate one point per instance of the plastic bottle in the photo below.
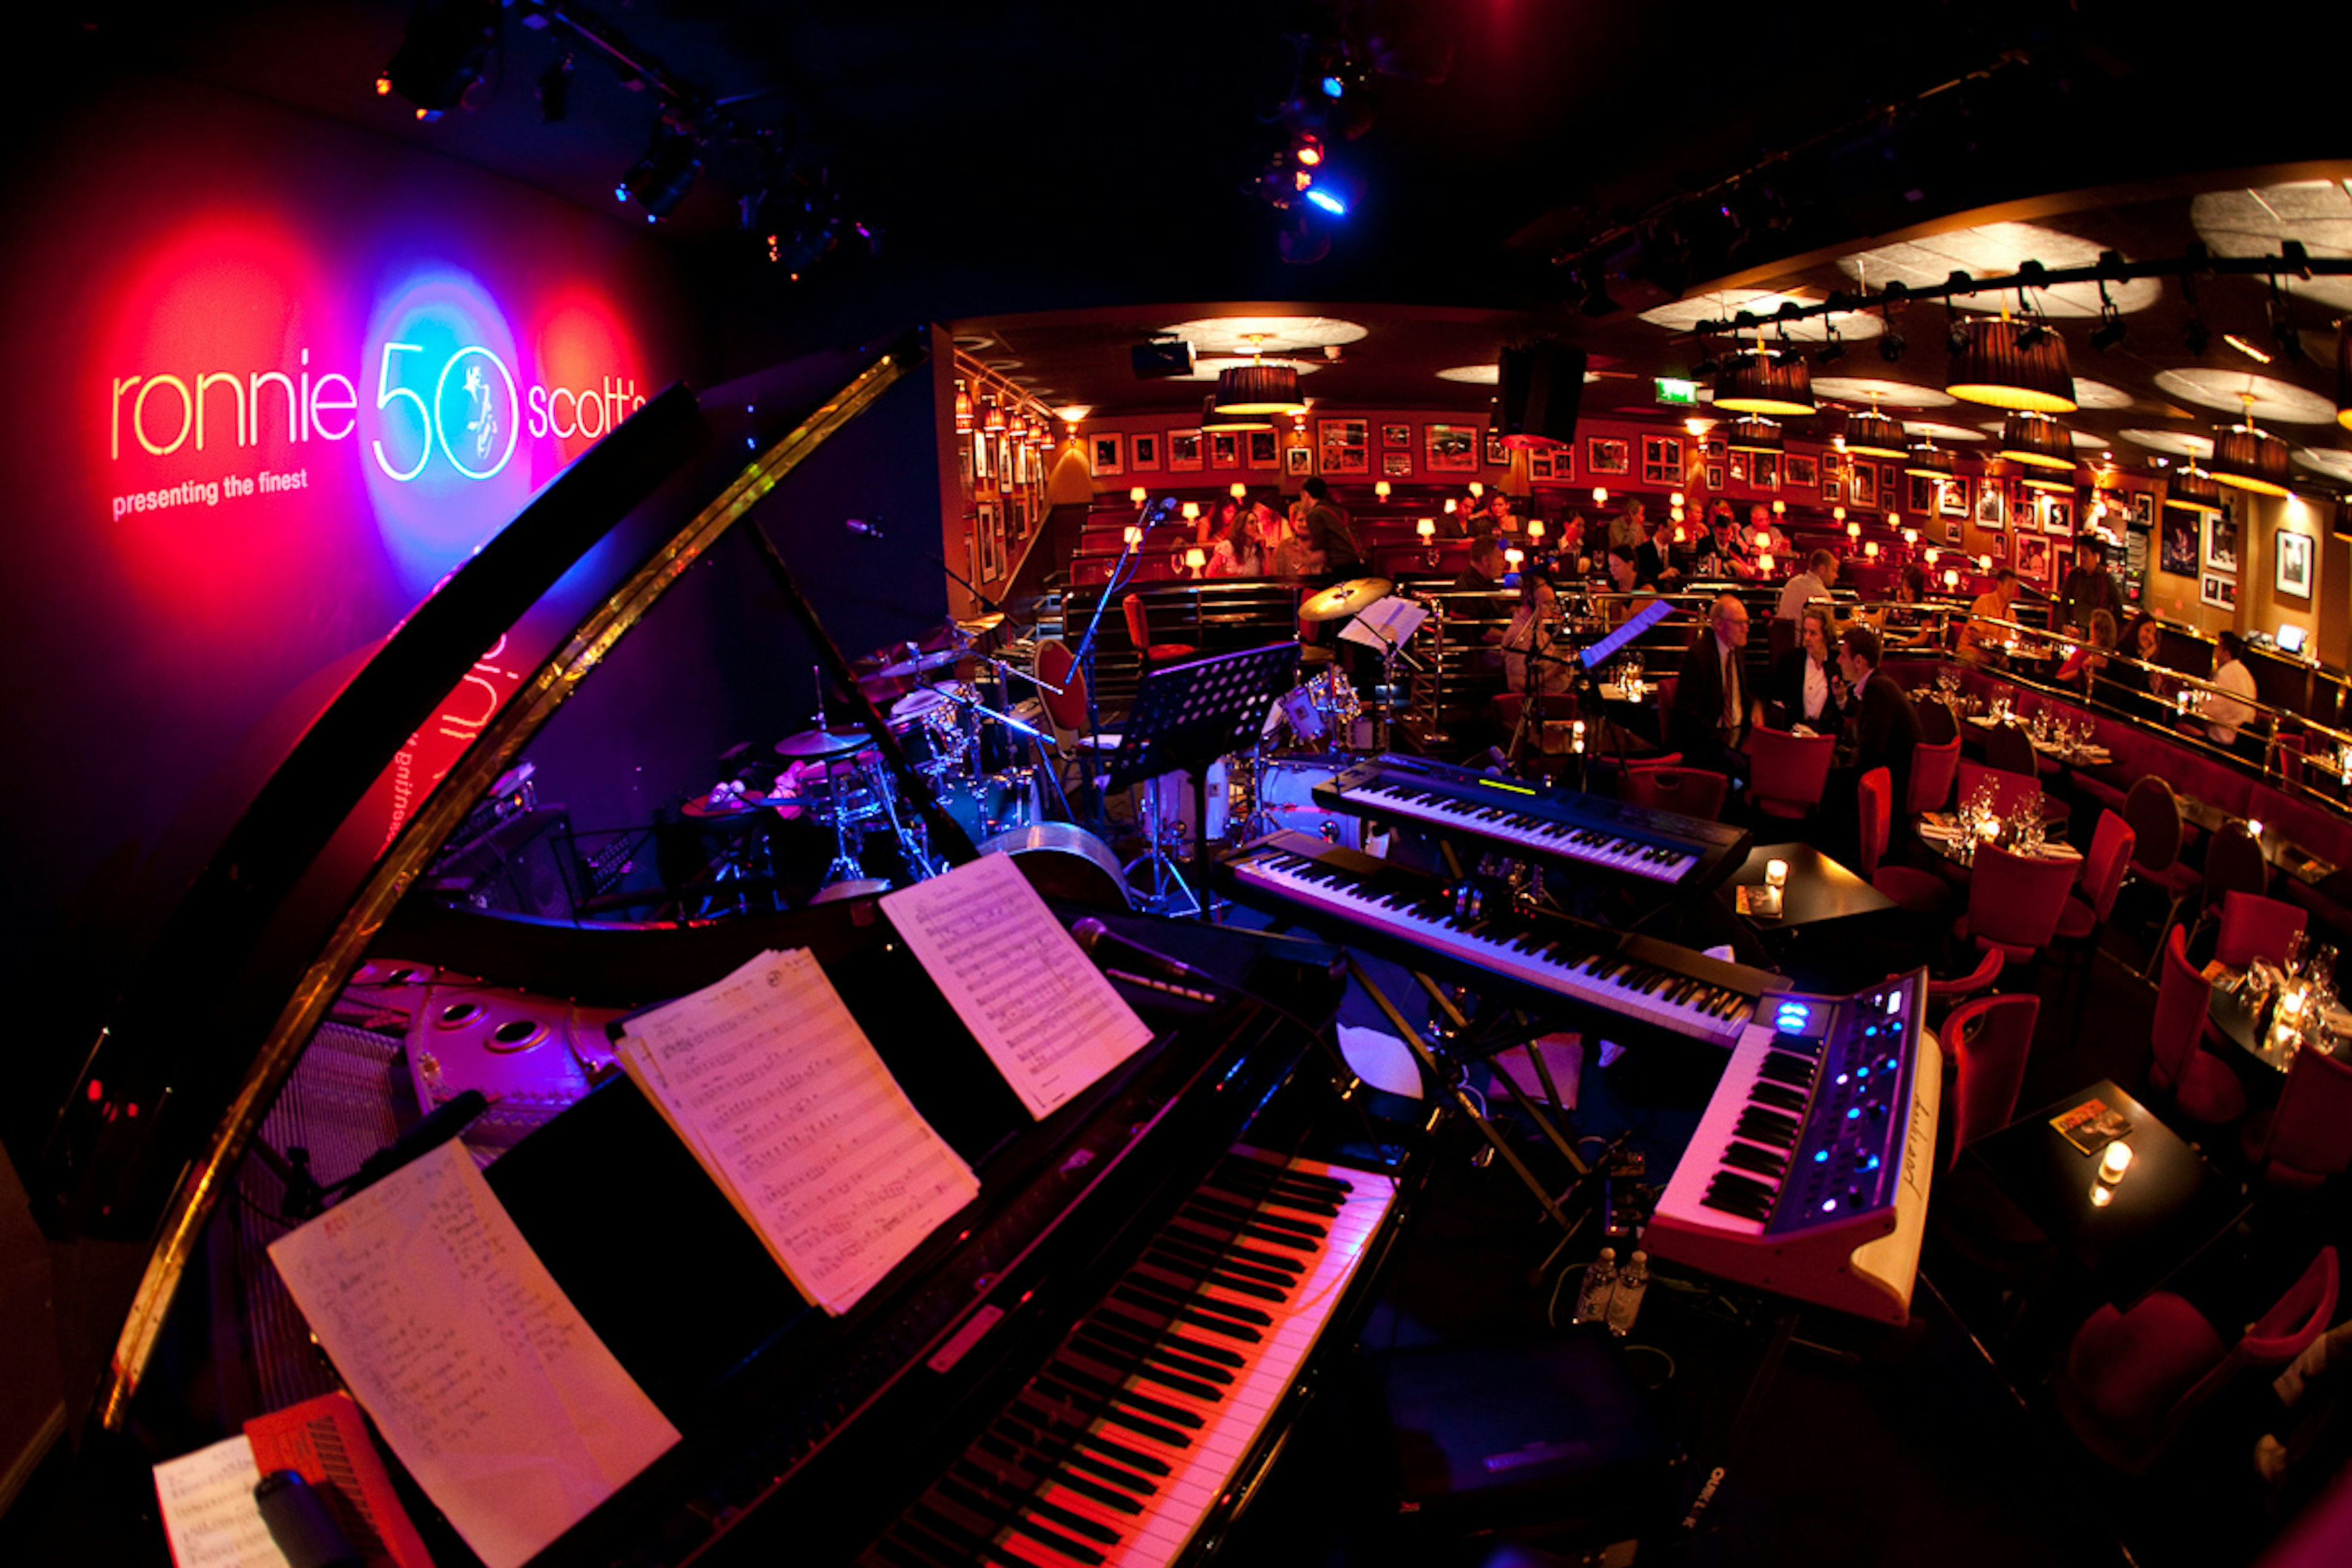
(1599, 1281)
(1625, 1300)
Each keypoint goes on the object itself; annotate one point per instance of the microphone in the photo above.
(1156, 969)
(858, 525)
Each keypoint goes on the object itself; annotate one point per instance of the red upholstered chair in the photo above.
(2307, 1137)
(1936, 724)
(1922, 892)
(2255, 927)
(1933, 767)
(2154, 813)
(2233, 864)
(1944, 994)
(1786, 773)
(2009, 748)
(1655, 760)
(1693, 792)
(2013, 794)
(2013, 902)
(1138, 632)
(2200, 1084)
(1991, 1037)
(1065, 710)
(2131, 1380)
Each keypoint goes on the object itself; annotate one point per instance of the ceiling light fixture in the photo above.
(2037, 441)
(1831, 351)
(1754, 433)
(2108, 335)
(1873, 435)
(1925, 460)
(2248, 458)
(1995, 364)
(1258, 387)
(1214, 420)
(2193, 489)
(1765, 380)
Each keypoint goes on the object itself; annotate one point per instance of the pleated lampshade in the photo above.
(2191, 488)
(1873, 435)
(1765, 380)
(1928, 461)
(2049, 480)
(1753, 432)
(2036, 440)
(2248, 458)
(1259, 388)
(1214, 420)
(1991, 368)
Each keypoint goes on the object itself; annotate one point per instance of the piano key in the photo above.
(1786, 1067)
(1779, 1096)
(1752, 1157)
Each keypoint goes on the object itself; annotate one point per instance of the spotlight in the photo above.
(2197, 336)
(1330, 202)
(2290, 341)
(1308, 149)
(658, 181)
(1833, 351)
(1890, 344)
(556, 90)
(2109, 333)
(445, 53)
(2030, 335)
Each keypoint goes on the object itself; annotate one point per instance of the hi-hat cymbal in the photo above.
(980, 625)
(920, 664)
(821, 742)
(1341, 600)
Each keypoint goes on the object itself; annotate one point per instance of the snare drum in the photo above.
(929, 725)
(846, 789)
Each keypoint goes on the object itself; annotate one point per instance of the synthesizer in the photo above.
(1421, 920)
(1561, 826)
(1808, 1175)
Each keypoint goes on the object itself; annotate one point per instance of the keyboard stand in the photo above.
(1445, 1069)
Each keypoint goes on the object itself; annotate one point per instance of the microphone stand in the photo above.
(1148, 518)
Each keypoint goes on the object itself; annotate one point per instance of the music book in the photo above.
(213, 1522)
(784, 1101)
(1043, 1012)
(2092, 1125)
(480, 1373)
(1385, 623)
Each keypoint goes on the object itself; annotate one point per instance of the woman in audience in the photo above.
(1239, 549)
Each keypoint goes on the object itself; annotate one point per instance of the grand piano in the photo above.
(1094, 1362)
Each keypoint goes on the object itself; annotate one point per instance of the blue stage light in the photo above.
(1332, 88)
(1328, 202)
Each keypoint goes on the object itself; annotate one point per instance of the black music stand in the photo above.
(1188, 715)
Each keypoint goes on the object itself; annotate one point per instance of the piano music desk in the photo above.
(2168, 1208)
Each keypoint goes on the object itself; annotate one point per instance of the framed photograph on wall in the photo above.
(1661, 460)
(1300, 461)
(1923, 495)
(2221, 539)
(1540, 463)
(1264, 450)
(1450, 448)
(1183, 451)
(1764, 471)
(1396, 465)
(1109, 454)
(1344, 444)
(2033, 558)
(1832, 487)
(983, 529)
(1952, 498)
(2294, 569)
(1224, 450)
(1606, 457)
(2221, 592)
(2176, 542)
(1497, 455)
(2057, 514)
(1714, 481)
(1951, 530)
(1803, 473)
(1396, 436)
(1145, 454)
(1863, 486)
(1996, 547)
(1992, 503)
(2143, 509)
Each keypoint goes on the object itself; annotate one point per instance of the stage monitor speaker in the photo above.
(1542, 384)
(1160, 360)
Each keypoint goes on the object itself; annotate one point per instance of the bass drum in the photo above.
(1064, 861)
(997, 805)
(1286, 800)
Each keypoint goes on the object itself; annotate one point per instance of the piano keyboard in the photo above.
(1808, 1175)
(1633, 977)
(1141, 1429)
(1526, 821)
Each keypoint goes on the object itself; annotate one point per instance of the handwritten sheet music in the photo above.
(1037, 1004)
(772, 1084)
(209, 1514)
(505, 1405)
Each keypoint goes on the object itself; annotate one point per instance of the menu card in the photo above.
(2092, 1125)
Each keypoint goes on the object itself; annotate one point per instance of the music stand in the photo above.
(1188, 715)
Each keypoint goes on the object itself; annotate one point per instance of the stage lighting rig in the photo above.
(445, 54)
(659, 181)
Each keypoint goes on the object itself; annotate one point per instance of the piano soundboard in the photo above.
(1808, 1175)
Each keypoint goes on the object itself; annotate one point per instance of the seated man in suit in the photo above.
(1712, 706)
(1886, 727)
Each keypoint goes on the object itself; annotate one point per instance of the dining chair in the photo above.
(1786, 773)
(2010, 746)
(2255, 927)
(2154, 813)
(1990, 1037)
(2130, 1381)
(1138, 632)
(1693, 792)
(1936, 724)
(2233, 864)
(2014, 902)
(1944, 995)
(2087, 908)
(1066, 710)
(2202, 1086)
(1921, 892)
(2307, 1137)
(1934, 764)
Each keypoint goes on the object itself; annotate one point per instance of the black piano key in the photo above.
(1761, 1126)
(951, 1489)
(1105, 1382)
(1212, 1321)
(1750, 1157)
(1118, 1414)
(1257, 1257)
(1735, 1193)
(1224, 1264)
(1786, 1067)
(1779, 1096)
(1017, 1487)
(1182, 1344)
(1143, 1349)
(1109, 1447)
(972, 1536)
(1152, 1371)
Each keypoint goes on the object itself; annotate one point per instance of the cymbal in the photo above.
(1341, 600)
(979, 624)
(922, 663)
(821, 742)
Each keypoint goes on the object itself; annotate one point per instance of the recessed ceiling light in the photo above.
(2180, 443)
(1487, 374)
(2273, 399)
(1274, 334)
(1994, 250)
(1891, 394)
(2326, 460)
(1935, 432)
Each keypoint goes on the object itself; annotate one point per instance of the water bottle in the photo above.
(1600, 1281)
(1625, 1301)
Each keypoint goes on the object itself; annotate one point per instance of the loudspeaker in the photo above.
(1542, 387)
(1159, 361)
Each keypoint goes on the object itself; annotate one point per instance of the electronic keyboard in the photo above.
(1808, 1175)
(1420, 921)
(1559, 826)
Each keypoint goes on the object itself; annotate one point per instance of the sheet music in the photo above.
(780, 1094)
(1037, 1004)
(480, 1374)
(1385, 622)
(209, 1514)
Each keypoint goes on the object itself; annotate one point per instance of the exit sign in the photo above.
(1677, 393)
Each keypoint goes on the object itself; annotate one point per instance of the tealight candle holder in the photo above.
(1776, 873)
(2113, 1161)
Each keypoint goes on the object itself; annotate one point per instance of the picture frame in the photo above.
(1951, 530)
(1298, 461)
(1450, 448)
(2220, 592)
(1862, 486)
(1224, 450)
(2292, 573)
(997, 538)
(2143, 510)
(2057, 514)
(1661, 460)
(1497, 455)
(1992, 503)
(983, 531)
(1397, 435)
(1264, 450)
(1764, 471)
(1184, 452)
(1343, 446)
(1396, 465)
(1109, 453)
(2176, 550)
(1996, 547)
(1832, 487)
(1924, 500)
(1952, 498)
(1714, 481)
(2221, 541)
(2033, 557)
(1605, 455)
(1717, 446)
(1540, 465)
(1143, 453)
(1803, 472)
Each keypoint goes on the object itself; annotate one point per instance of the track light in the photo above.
(2290, 341)
(1890, 344)
(1833, 349)
(2109, 333)
(659, 181)
(447, 50)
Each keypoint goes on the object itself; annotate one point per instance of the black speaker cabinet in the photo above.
(1542, 387)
